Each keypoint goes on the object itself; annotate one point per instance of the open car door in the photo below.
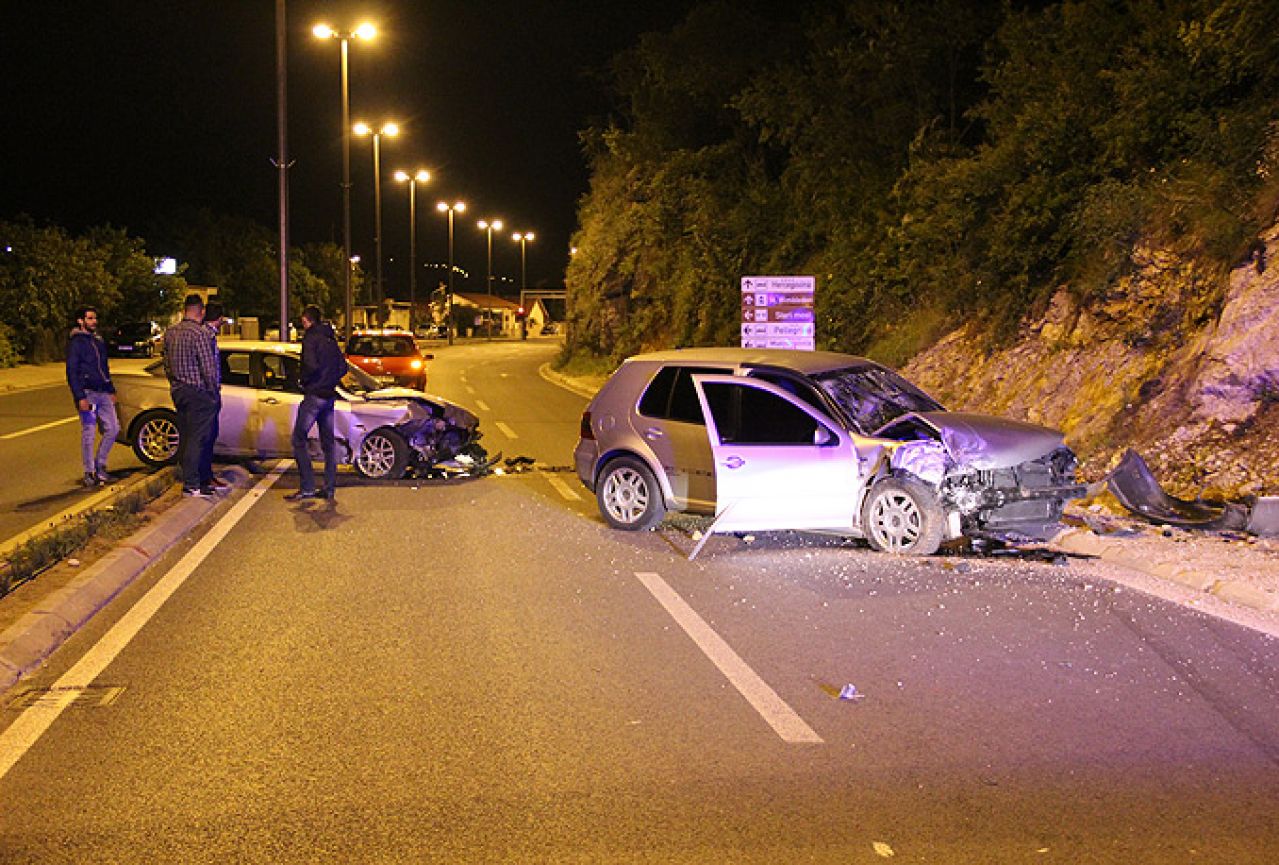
(779, 463)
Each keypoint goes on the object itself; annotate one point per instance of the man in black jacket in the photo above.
(94, 394)
(323, 367)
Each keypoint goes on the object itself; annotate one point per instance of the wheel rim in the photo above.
(895, 521)
(626, 495)
(377, 456)
(158, 439)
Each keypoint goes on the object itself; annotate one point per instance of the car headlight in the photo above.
(415, 364)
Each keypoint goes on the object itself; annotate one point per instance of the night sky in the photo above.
(125, 112)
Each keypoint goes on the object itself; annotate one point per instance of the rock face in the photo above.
(1181, 364)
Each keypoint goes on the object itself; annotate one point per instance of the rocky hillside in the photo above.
(1181, 364)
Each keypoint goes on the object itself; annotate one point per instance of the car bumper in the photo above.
(585, 456)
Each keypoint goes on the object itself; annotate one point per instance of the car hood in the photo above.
(983, 442)
(454, 413)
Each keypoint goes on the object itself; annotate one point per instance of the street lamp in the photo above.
(366, 32)
(489, 226)
(455, 207)
(421, 176)
(523, 239)
(390, 130)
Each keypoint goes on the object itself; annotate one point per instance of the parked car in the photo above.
(390, 356)
(136, 339)
(433, 331)
(813, 440)
(550, 328)
(383, 432)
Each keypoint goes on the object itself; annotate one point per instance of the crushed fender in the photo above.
(1135, 486)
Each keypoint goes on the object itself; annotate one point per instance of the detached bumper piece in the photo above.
(1137, 490)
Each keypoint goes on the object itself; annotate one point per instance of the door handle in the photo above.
(653, 433)
(270, 401)
(734, 462)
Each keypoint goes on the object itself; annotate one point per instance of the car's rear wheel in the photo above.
(628, 495)
(383, 455)
(156, 437)
(903, 516)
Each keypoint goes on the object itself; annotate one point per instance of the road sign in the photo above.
(777, 312)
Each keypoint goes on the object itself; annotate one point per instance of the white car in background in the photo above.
(382, 432)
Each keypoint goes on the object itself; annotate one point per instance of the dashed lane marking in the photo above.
(35, 429)
(506, 430)
(36, 719)
(772, 708)
(482, 405)
(562, 488)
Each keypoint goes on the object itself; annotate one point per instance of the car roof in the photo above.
(806, 362)
(259, 345)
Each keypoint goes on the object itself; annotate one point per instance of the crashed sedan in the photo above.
(384, 433)
(769, 439)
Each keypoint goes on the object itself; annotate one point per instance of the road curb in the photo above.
(565, 382)
(25, 645)
(1083, 542)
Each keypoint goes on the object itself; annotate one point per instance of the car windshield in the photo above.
(381, 346)
(873, 396)
(358, 382)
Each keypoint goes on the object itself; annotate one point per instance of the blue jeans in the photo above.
(101, 415)
(206, 453)
(197, 410)
(311, 411)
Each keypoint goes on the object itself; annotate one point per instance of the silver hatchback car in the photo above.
(776, 439)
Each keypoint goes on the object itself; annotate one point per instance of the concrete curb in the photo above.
(1084, 542)
(35, 636)
(565, 382)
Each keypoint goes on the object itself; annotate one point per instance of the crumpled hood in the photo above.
(453, 413)
(984, 442)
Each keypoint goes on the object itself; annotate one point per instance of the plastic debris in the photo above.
(75, 563)
(882, 849)
(850, 692)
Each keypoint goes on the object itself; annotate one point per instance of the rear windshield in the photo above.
(381, 346)
(873, 396)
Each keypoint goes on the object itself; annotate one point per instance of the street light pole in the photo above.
(389, 129)
(413, 179)
(489, 226)
(364, 31)
(282, 159)
(455, 207)
(523, 238)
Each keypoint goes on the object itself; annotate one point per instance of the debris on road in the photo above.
(1135, 486)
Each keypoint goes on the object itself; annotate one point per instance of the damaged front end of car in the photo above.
(443, 438)
(993, 477)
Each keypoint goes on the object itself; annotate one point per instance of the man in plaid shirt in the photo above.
(191, 363)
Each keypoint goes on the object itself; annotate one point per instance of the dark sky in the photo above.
(126, 111)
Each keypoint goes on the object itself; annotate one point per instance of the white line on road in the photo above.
(563, 489)
(781, 717)
(470, 389)
(44, 426)
(34, 721)
(506, 430)
(483, 406)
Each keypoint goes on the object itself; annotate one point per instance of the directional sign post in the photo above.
(777, 312)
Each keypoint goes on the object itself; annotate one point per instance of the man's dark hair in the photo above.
(82, 311)
(192, 300)
(312, 313)
(212, 310)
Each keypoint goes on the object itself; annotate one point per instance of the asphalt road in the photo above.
(481, 671)
(40, 457)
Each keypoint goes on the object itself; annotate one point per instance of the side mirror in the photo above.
(823, 437)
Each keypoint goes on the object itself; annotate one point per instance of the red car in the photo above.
(390, 356)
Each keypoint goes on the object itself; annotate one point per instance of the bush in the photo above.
(8, 353)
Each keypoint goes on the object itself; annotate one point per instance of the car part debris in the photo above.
(1135, 486)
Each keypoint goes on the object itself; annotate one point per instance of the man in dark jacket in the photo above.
(323, 367)
(90, 379)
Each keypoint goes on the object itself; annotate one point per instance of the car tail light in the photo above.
(586, 432)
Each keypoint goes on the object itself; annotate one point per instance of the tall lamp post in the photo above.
(450, 209)
(420, 176)
(523, 239)
(389, 129)
(489, 226)
(367, 32)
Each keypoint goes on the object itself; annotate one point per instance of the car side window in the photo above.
(235, 368)
(747, 415)
(671, 395)
(280, 373)
(793, 386)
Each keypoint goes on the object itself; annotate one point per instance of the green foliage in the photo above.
(959, 162)
(9, 356)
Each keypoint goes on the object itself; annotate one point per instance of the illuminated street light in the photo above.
(489, 226)
(414, 179)
(450, 209)
(523, 239)
(365, 32)
(390, 130)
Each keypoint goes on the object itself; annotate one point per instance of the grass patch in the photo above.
(116, 520)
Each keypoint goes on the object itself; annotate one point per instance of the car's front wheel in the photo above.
(383, 455)
(156, 437)
(903, 516)
(628, 495)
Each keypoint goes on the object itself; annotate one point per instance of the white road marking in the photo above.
(506, 430)
(562, 488)
(781, 717)
(34, 721)
(470, 389)
(482, 405)
(44, 426)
